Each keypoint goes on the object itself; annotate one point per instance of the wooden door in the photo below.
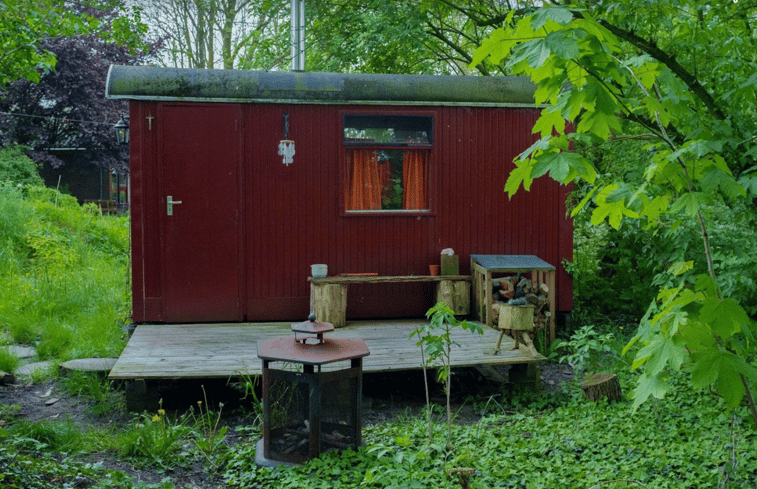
(200, 156)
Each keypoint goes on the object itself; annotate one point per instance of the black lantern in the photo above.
(122, 131)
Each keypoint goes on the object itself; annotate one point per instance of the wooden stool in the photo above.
(519, 320)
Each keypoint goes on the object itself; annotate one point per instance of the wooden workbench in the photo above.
(328, 295)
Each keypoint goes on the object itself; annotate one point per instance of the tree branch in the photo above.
(437, 33)
(651, 48)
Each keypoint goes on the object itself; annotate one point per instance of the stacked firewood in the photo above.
(517, 290)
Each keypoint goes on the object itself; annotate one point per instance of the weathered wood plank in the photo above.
(230, 350)
(377, 279)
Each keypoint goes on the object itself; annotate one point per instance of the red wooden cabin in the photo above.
(388, 170)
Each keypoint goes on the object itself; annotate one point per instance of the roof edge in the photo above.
(157, 83)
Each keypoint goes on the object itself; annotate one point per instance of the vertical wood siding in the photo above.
(294, 216)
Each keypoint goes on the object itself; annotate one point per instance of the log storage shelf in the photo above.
(484, 266)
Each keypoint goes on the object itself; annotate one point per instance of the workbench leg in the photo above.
(329, 303)
(456, 295)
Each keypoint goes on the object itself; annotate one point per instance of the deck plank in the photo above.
(230, 350)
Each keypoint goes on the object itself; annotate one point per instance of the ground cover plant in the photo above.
(509, 438)
(681, 441)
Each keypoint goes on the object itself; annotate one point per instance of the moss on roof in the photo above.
(156, 83)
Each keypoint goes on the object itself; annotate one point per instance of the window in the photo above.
(387, 162)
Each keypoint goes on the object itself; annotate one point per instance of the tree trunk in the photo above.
(601, 386)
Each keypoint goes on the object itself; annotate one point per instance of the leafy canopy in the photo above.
(681, 74)
(26, 24)
(64, 106)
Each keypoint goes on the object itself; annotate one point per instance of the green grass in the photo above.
(60, 436)
(63, 270)
(95, 388)
(8, 361)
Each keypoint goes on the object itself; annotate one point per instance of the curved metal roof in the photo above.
(157, 83)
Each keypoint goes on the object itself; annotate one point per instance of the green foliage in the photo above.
(247, 385)
(55, 436)
(607, 69)
(18, 169)
(92, 386)
(587, 350)
(8, 361)
(157, 439)
(63, 271)
(623, 261)
(374, 37)
(578, 444)
(21, 471)
(24, 24)
(209, 437)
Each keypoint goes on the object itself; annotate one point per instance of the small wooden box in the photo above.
(450, 265)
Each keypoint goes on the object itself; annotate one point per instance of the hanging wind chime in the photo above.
(286, 145)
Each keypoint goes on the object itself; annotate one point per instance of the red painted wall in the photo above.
(292, 216)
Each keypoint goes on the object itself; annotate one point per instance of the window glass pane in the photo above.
(397, 130)
(386, 179)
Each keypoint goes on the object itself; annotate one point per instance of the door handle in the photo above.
(169, 204)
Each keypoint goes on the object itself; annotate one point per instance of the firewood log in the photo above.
(507, 294)
(524, 283)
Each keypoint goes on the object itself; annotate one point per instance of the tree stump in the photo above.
(602, 386)
(463, 475)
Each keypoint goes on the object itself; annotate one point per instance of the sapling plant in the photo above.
(435, 341)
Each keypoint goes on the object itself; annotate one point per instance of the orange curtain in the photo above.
(385, 177)
(415, 179)
(363, 184)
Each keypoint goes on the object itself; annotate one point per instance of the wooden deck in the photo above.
(229, 350)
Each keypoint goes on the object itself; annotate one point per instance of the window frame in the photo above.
(378, 146)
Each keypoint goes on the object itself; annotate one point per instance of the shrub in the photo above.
(18, 169)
